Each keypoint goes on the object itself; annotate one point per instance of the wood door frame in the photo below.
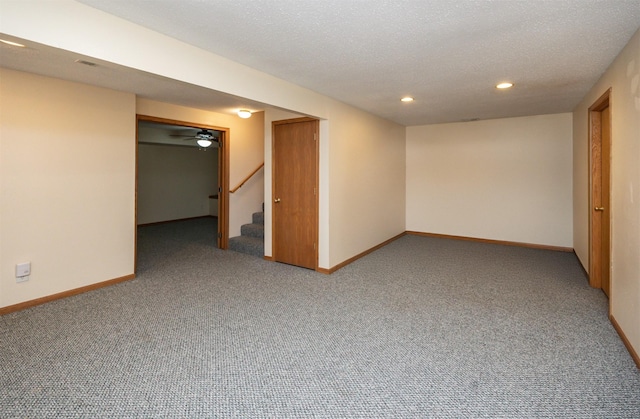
(223, 178)
(595, 177)
(316, 183)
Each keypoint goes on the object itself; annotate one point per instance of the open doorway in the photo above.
(181, 180)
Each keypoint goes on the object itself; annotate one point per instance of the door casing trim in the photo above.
(595, 156)
(223, 178)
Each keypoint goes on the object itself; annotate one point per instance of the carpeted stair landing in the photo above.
(251, 239)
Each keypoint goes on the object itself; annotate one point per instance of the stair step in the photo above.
(246, 244)
(252, 230)
(251, 240)
(258, 218)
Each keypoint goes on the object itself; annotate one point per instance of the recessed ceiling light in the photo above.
(407, 99)
(15, 44)
(504, 85)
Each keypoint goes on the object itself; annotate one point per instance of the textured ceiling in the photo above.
(447, 54)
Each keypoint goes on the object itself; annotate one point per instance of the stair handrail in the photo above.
(247, 178)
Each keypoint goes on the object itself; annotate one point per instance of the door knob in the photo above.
(599, 208)
(277, 200)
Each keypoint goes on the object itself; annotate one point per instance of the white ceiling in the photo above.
(368, 53)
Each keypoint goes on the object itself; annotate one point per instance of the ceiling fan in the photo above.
(204, 138)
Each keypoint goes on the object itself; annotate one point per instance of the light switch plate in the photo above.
(23, 269)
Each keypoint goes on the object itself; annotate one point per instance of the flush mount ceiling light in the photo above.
(15, 44)
(504, 85)
(243, 113)
(407, 99)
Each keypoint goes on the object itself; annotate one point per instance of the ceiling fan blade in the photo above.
(181, 135)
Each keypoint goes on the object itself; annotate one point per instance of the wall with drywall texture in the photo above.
(175, 182)
(503, 179)
(623, 77)
(67, 177)
(362, 164)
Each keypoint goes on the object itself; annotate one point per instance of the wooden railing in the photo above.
(247, 178)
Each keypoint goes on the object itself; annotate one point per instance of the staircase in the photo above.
(251, 240)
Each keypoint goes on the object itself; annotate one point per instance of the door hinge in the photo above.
(219, 235)
(219, 189)
(315, 136)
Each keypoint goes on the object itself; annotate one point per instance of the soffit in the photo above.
(44, 60)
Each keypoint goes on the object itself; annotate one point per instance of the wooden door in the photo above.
(295, 200)
(223, 190)
(600, 255)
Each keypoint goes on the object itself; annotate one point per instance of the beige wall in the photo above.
(67, 173)
(363, 164)
(246, 150)
(623, 77)
(175, 182)
(503, 179)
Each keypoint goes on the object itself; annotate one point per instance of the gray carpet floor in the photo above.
(421, 328)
